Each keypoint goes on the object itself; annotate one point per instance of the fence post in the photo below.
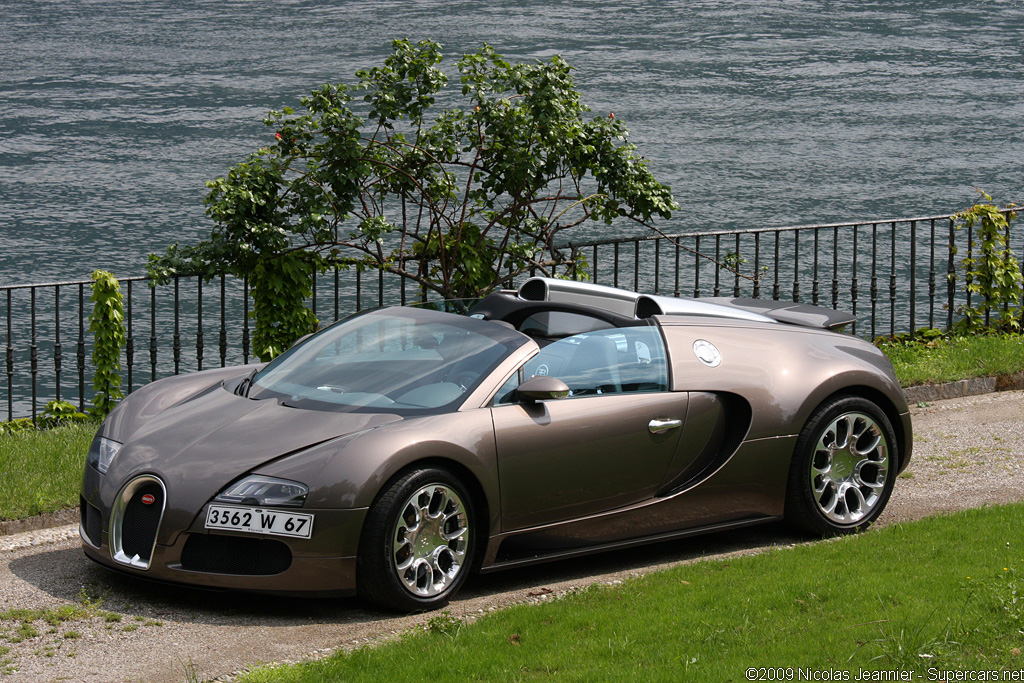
(814, 282)
(10, 362)
(854, 293)
(199, 323)
(33, 350)
(223, 341)
(57, 355)
(152, 334)
(176, 345)
(951, 274)
(80, 351)
(931, 276)
(129, 342)
(757, 265)
(913, 278)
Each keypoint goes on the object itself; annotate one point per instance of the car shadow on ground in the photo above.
(67, 575)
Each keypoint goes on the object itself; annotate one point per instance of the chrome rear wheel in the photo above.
(843, 467)
(849, 468)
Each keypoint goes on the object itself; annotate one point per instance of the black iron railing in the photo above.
(894, 275)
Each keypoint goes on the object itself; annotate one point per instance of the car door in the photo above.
(607, 445)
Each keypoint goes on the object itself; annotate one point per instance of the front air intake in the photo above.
(239, 555)
(91, 523)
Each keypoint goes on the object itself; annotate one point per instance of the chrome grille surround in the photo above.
(117, 514)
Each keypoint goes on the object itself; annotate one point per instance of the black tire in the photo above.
(843, 469)
(410, 524)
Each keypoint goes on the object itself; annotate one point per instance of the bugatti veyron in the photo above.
(392, 453)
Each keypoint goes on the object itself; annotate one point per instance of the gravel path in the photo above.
(968, 452)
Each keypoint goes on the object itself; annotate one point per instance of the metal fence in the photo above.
(894, 275)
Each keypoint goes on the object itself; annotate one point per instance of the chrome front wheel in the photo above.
(418, 541)
(430, 539)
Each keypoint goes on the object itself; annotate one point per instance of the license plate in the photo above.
(259, 521)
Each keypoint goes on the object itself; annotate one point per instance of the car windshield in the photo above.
(394, 360)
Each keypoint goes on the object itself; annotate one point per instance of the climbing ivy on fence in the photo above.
(280, 289)
(991, 270)
(106, 323)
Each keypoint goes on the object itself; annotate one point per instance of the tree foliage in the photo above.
(991, 270)
(374, 176)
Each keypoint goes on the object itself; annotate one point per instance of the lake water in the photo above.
(755, 113)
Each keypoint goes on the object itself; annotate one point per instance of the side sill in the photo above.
(631, 543)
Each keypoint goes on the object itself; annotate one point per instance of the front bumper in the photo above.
(324, 564)
(329, 576)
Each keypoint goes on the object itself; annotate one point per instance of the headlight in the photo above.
(102, 452)
(264, 491)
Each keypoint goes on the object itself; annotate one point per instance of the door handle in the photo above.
(659, 425)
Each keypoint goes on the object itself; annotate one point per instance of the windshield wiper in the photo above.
(243, 387)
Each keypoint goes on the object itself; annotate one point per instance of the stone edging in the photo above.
(51, 519)
(965, 387)
(916, 394)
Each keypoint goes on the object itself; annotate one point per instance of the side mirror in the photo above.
(542, 388)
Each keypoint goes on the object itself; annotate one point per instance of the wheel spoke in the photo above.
(404, 558)
(450, 536)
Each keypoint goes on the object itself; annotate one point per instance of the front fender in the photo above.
(351, 471)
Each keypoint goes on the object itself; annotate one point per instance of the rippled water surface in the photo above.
(755, 113)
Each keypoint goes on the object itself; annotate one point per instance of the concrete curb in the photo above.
(923, 393)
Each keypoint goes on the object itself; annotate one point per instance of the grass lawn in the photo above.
(41, 471)
(948, 360)
(945, 593)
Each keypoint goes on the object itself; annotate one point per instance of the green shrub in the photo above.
(57, 413)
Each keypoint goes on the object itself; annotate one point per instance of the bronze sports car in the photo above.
(392, 453)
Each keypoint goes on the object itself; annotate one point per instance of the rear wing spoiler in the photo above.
(792, 313)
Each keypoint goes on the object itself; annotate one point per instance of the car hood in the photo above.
(204, 443)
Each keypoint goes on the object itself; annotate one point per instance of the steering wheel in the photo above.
(334, 388)
(465, 379)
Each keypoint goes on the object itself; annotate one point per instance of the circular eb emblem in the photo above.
(542, 370)
(148, 499)
(707, 353)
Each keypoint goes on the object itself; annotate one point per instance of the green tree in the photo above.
(372, 176)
